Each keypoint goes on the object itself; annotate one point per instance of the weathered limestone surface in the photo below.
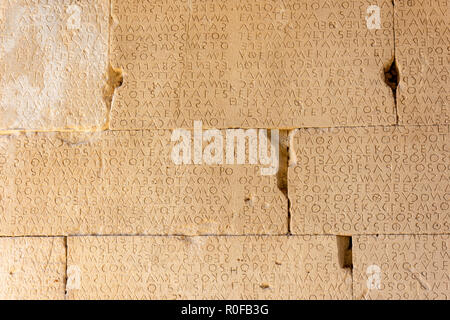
(401, 267)
(54, 64)
(207, 268)
(371, 180)
(422, 37)
(32, 268)
(97, 202)
(125, 182)
(251, 64)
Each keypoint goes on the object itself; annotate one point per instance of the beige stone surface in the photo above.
(54, 64)
(422, 51)
(125, 182)
(97, 203)
(279, 267)
(401, 267)
(32, 268)
(251, 64)
(371, 180)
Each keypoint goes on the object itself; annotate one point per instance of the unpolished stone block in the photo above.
(422, 50)
(32, 268)
(269, 267)
(370, 180)
(252, 63)
(54, 64)
(125, 182)
(401, 267)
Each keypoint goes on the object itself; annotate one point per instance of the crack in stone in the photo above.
(115, 80)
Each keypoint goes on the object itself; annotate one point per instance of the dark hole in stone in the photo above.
(391, 76)
(345, 257)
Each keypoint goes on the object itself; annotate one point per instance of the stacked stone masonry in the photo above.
(350, 96)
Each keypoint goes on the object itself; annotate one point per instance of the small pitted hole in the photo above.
(120, 81)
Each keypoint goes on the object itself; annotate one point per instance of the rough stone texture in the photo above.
(370, 167)
(401, 267)
(370, 180)
(32, 268)
(422, 51)
(124, 182)
(207, 268)
(53, 64)
(251, 64)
